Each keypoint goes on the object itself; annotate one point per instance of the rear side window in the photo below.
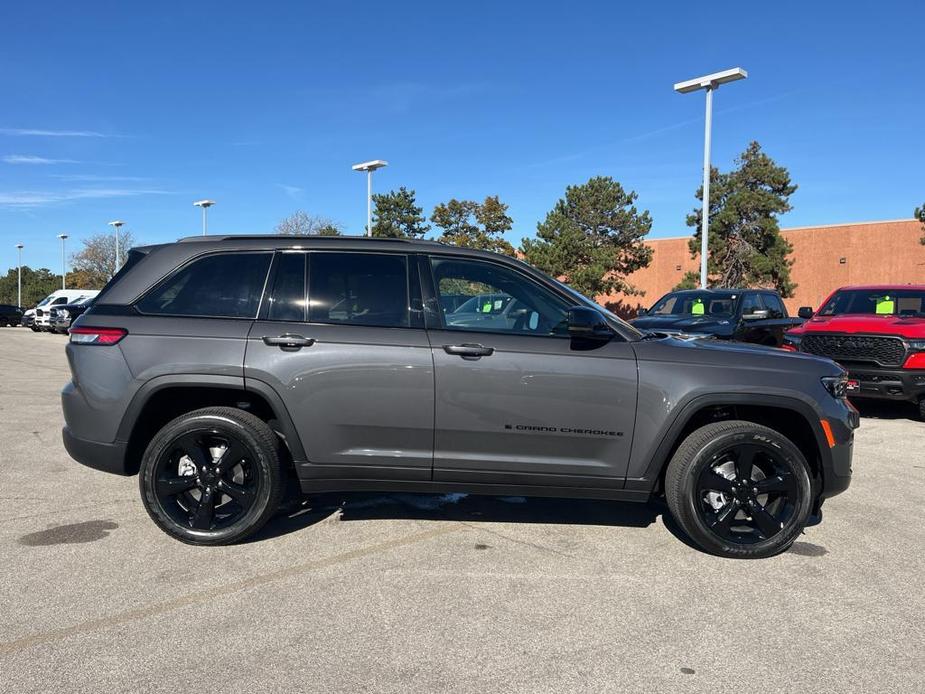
(226, 285)
(358, 289)
(751, 303)
(287, 300)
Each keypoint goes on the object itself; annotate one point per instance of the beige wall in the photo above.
(874, 253)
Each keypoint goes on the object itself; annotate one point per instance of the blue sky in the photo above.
(134, 110)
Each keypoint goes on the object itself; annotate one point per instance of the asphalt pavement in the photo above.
(423, 593)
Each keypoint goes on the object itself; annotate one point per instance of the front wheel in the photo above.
(212, 476)
(739, 489)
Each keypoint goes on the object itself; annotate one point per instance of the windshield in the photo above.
(695, 304)
(45, 300)
(898, 302)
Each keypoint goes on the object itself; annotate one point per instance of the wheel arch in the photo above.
(792, 417)
(163, 398)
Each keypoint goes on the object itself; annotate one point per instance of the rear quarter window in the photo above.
(223, 285)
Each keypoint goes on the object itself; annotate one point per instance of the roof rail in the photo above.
(260, 237)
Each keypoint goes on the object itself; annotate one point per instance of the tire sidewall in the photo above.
(207, 424)
(789, 454)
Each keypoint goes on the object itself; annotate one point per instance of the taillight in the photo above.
(96, 336)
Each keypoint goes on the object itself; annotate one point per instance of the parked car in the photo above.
(745, 315)
(877, 333)
(62, 297)
(221, 367)
(61, 317)
(10, 315)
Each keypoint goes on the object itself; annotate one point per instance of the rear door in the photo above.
(351, 363)
(517, 401)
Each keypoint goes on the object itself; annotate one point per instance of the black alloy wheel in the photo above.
(212, 476)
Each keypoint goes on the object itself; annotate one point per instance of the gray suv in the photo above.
(224, 370)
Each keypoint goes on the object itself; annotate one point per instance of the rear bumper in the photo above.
(889, 384)
(108, 457)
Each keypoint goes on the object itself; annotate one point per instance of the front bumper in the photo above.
(108, 457)
(888, 384)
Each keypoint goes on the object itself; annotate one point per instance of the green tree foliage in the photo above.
(36, 285)
(746, 248)
(301, 223)
(95, 263)
(397, 216)
(920, 215)
(593, 238)
(474, 225)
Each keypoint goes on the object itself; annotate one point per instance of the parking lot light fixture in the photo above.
(19, 248)
(117, 224)
(63, 238)
(709, 83)
(369, 167)
(205, 205)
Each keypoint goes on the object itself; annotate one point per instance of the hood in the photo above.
(909, 327)
(686, 324)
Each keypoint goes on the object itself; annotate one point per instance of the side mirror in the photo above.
(756, 315)
(805, 312)
(641, 311)
(585, 322)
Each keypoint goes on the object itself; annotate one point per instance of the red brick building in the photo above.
(824, 258)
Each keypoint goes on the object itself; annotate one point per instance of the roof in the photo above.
(722, 291)
(883, 287)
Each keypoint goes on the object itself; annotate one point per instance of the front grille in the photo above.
(885, 351)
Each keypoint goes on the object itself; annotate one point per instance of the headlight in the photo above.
(837, 386)
(917, 345)
(63, 314)
(793, 340)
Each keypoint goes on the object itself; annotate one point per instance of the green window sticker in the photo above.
(885, 306)
(697, 308)
(486, 307)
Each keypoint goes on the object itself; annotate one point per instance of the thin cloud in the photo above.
(36, 132)
(32, 199)
(32, 159)
(293, 192)
(93, 178)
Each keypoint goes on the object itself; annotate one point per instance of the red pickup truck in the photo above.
(877, 333)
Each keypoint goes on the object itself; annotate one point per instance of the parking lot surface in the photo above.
(420, 593)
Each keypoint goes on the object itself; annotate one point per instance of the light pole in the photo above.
(117, 224)
(205, 205)
(63, 238)
(369, 167)
(19, 248)
(710, 83)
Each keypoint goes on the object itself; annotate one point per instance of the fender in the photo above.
(668, 435)
(159, 383)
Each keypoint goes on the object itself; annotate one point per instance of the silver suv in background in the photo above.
(222, 369)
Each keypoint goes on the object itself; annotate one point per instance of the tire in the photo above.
(922, 408)
(241, 487)
(734, 515)
(4, 322)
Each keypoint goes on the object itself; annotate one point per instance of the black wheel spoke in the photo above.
(202, 518)
(744, 462)
(725, 517)
(777, 483)
(767, 524)
(714, 481)
(194, 447)
(234, 453)
(243, 495)
(171, 486)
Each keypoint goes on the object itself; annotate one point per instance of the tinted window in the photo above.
(499, 300)
(287, 300)
(694, 304)
(900, 302)
(225, 285)
(358, 289)
(751, 303)
(773, 303)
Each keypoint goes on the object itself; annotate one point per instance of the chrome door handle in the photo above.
(469, 351)
(289, 342)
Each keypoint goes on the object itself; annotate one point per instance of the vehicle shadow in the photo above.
(468, 508)
(886, 409)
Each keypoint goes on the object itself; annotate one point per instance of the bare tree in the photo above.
(96, 261)
(301, 223)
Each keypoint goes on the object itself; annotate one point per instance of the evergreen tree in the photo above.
(396, 215)
(474, 225)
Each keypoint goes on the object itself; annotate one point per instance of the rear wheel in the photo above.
(739, 489)
(4, 322)
(212, 476)
(922, 408)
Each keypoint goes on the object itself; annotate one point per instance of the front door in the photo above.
(516, 400)
(352, 363)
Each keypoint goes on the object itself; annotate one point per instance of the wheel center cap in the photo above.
(208, 476)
